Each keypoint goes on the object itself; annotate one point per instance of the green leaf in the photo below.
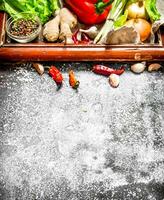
(151, 9)
(42, 8)
(121, 20)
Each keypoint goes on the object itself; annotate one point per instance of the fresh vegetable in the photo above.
(91, 32)
(143, 9)
(154, 67)
(56, 74)
(51, 29)
(90, 12)
(142, 26)
(152, 11)
(114, 14)
(60, 27)
(74, 83)
(138, 67)
(137, 10)
(114, 80)
(106, 71)
(43, 9)
(68, 21)
(80, 38)
(39, 68)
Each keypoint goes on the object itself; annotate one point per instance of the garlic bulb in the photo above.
(138, 67)
(91, 32)
(114, 80)
(154, 67)
(39, 68)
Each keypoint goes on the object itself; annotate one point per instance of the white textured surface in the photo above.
(95, 143)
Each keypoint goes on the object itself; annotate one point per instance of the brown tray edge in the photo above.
(2, 28)
(59, 52)
(82, 54)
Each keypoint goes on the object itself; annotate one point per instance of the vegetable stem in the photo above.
(115, 12)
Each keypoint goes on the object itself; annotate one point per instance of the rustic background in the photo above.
(94, 143)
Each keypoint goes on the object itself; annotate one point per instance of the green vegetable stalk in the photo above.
(116, 11)
(152, 11)
(42, 8)
(118, 16)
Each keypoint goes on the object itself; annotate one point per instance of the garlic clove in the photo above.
(154, 67)
(91, 32)
(114, 80)
(39, 68)
(138, 67)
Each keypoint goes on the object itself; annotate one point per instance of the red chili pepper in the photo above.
(106, 71)
(90, 11)
(84, 39)
(56, 74)
(74, 83)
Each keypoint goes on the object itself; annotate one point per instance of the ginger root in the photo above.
(60, 27)
(51, 29)
(67, 22)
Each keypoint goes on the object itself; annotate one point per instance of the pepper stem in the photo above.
(100, 5)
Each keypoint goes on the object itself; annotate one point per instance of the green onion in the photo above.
(116, 11)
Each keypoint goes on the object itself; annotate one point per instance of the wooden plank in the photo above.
(2, 28)
(81, 54)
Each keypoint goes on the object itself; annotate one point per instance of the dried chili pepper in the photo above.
(74, 83)
(56, 74)
(106, 71)
(80, 38)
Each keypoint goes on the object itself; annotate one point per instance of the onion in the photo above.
(137, 10)
(142, 26)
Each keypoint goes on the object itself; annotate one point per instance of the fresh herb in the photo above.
(151, 9)
(116, 11)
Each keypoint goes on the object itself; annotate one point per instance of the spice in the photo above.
(39, 68)
(74, 83)
(154, 67)
(56, 74)
(114, 80)
(24, 27)
(106, 71)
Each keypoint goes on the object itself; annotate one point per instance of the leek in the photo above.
(116, 11)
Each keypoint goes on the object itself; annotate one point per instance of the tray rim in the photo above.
(42, 51)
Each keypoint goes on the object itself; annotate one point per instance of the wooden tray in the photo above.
(42, 51)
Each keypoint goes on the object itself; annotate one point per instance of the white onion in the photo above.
(137, 10)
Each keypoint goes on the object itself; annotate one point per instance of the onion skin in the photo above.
(142, 26)
(137, 10)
